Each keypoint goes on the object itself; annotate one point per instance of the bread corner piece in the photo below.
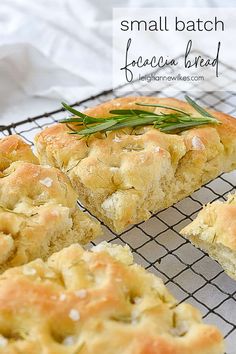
(214, 231)
(126, 175)
(97, 302)
(38, 208)
(13, 148)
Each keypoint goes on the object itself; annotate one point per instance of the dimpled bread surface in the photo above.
(99, 301)
(38, 208)
(125, 175)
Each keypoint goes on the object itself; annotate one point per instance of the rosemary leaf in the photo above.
(162, 106)
(177, 126)
(85, 120)
(84, 117)
(71, 120)
(97, 128)
(130, 112)
(198, 108)
(73, 110)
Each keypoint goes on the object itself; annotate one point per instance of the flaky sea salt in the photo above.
(134, 317)
(114, 169)
(70, 340)
(156, 149)
(197, 144)
(137, 300)
(3, 341)
(47, 182)
(29, 271)
(49, 274)
(74, 315)
(62, 297)
(142, 158)
(82, 293)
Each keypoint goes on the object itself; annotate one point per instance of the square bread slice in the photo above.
(125, 175)
(214, 231)
(38, 208)
(97, 302)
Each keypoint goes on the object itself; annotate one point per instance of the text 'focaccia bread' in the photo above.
(38, 210)
(214, 231)
(125, 175)
(96, 302)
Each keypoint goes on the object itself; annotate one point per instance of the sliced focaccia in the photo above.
(214, 231)
(13, 148)
(97, 302)
(38, 208)
(123, 176)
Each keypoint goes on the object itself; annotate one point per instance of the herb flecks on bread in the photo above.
(99, 302)
(126, 175)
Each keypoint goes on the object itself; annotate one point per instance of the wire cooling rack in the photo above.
(189, 273)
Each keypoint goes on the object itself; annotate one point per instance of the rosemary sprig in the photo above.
(175, 122)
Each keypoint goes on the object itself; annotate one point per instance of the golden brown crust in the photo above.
(38, 210)
(219, 220)
(91, 302)
(13, 148)
(214, 230)
(125, 176)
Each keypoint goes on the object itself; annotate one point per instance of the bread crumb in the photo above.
(74, 315)
(46, 182)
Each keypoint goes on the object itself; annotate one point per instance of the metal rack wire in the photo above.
(188, 272)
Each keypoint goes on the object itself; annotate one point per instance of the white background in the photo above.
(171, 44)
(54, 50)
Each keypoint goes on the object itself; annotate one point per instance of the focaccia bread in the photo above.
(214, 231)
(96, 302)
(125, 175)
(38, 213)
(13, 148)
